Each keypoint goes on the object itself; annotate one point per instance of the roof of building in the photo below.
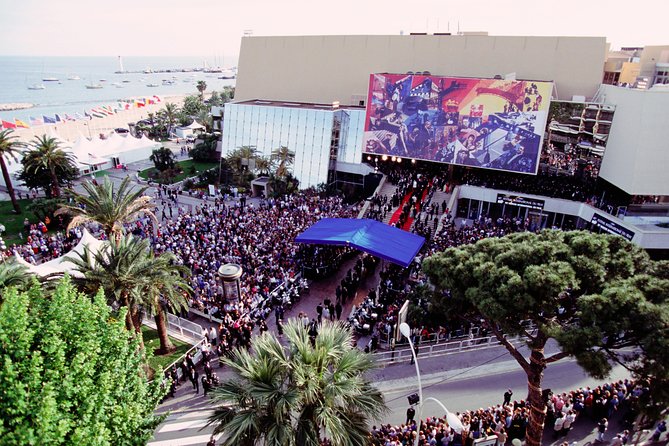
(310, 105)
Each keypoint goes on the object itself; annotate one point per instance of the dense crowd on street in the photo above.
(259, 239)
(40, 246)
(508, 420)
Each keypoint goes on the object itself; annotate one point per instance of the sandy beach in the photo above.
(72, 130)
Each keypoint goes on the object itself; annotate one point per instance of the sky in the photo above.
(214, 28)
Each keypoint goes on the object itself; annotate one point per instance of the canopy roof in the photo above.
(379, 239)
(61, 264)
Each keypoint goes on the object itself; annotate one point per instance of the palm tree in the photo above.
(296, 395)
(8, 148)
(264, 165)
(171, 113)
(241, 157)
(166, 289)
(46, 153)
(132, 276)
(12, 273)
(201, 86)
(204, 117)
(109, 207)
(285, 158)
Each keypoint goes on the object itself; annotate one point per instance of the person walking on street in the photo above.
(411, 413)
(601, 429)
(507, 397)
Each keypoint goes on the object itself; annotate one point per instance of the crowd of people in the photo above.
(508, 421)
(40, 246)
(259, 239)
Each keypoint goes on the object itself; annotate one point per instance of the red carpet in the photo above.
(398, 212)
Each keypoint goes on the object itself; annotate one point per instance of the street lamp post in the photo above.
(406, 332)
(452, 420)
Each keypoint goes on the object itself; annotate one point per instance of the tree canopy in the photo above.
(594, 294)
(108, 205)
(69, 372)
(314, 388)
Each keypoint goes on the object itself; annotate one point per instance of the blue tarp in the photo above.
(379, 239)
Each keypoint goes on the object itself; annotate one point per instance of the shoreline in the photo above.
(73, 130)
(15, 106)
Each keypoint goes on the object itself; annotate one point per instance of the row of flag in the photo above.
(98, 112)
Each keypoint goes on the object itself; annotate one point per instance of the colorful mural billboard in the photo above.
(487, 123)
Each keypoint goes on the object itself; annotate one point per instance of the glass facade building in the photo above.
(320, 135)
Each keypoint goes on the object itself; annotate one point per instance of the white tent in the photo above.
(185, 131)
(61, 264)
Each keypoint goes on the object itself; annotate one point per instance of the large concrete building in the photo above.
(308, 93)
(323, 69)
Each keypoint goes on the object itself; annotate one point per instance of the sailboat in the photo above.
(36, 87)
(73, 77)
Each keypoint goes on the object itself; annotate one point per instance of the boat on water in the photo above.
(50, 79)
(117, 84)
(152, 85)
(73, 77)
(126, 81)
(168, 82)
(36, 87)
(94, 86)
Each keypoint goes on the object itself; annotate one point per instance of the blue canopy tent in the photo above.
(379, 239)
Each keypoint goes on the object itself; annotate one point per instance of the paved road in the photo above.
(458, 389)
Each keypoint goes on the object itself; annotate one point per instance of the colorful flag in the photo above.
(97, 113)
(36, 121)
(21, 124)
(79, 116)
(157, 98)
(87, 115)
(58, 118)
(48, 120)
(8, 125)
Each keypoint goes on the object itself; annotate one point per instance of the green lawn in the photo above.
(151, 343)
(186, 167)
(14, 223)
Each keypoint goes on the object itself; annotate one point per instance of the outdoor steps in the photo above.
(439, 197)
(388, 190)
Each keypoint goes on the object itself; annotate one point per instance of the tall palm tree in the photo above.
(284, 157)
(132, 276)
(166, 289)
(171, 113)
(298, 394)
(9, 148)
(201, 86)
(46, 153)
(108, 206)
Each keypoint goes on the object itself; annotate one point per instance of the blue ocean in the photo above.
(66, 95)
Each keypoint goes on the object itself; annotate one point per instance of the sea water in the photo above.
(72, 96)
